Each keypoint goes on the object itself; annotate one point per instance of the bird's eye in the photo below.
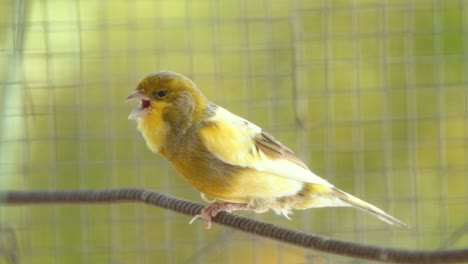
(160, 94)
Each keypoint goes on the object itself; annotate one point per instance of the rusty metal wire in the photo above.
(282, 234)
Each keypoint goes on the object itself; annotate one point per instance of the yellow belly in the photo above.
(235, 184)
(253, 184)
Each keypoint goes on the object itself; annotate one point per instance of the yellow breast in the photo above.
(153, 128)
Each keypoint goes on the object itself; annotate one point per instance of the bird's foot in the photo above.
(213, 209)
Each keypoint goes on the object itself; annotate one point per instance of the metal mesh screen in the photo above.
(372, 95)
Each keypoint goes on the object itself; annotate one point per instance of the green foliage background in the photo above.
(371, 94)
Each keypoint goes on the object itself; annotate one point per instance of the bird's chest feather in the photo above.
(154, 131)
(203, 171)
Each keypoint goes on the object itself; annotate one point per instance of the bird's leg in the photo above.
(213, 209)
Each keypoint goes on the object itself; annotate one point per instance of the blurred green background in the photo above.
(371, 94)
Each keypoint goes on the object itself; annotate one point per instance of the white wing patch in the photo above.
(232, 140)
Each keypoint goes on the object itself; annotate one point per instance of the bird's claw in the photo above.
(211, 210)
(207, 220)
(207, 213)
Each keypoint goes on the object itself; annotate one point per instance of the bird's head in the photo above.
(162, 90)
(169, 104)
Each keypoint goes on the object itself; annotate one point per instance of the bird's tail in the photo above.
(360, 204)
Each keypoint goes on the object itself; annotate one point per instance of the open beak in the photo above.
(142, 109)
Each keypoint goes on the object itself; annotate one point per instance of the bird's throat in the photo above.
(154, 130)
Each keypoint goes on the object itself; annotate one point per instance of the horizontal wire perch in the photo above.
(297, 238)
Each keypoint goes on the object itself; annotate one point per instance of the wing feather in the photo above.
(238, 142)
(275, 150)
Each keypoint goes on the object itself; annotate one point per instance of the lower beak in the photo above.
(142, 109)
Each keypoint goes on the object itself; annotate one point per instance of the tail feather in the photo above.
(360, 204)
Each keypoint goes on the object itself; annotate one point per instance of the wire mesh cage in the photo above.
(372, 95)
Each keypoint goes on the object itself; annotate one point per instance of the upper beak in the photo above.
(136, 95)
(142, 109)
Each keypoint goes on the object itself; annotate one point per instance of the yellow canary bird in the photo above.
(227, 157)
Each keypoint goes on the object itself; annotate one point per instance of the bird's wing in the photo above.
(238, 142)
